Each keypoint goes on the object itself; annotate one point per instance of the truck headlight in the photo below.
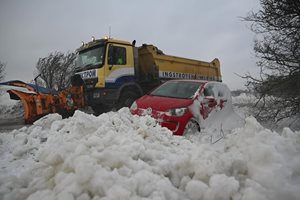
(177, 112)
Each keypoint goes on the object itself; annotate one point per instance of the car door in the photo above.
(209, 101)
(223, 95)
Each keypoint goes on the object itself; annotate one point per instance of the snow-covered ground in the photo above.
(120, 156)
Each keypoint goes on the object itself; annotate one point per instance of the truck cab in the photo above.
(107, 68)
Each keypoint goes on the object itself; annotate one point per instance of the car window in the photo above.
(177, 89)
(220, 93)
(208, 90)
(217, 90)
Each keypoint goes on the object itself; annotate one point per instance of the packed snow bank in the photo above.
(120, 156)
(244, 106)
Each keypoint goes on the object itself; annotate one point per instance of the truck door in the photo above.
(119, 68)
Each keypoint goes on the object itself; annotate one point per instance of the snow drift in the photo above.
(120, 156)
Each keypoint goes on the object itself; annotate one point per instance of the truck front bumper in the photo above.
(101, 96)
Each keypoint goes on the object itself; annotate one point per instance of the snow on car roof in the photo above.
(190, 80)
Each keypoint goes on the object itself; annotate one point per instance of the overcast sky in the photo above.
(195, 29)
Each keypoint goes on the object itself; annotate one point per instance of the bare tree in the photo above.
(2, 71)
(277, 25)
(56, 69)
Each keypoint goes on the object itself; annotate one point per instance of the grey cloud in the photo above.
(195, 29)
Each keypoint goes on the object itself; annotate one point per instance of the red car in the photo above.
(184, 106)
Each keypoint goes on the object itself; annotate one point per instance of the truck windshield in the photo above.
(90, 58)
(177, 89)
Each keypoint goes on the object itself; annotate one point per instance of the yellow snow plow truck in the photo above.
(115, 72)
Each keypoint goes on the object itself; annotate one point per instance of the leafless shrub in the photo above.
(277, 46)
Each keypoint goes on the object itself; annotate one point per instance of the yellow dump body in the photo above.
(154, 61)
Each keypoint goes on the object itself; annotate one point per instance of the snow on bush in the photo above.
(244, 106)
(120, 156)
(244, 99)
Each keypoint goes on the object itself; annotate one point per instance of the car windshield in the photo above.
(177, 89)
(90, 58)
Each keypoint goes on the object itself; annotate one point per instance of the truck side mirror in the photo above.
(133, 43)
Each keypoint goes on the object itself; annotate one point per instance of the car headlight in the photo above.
(133, 106)
(177, 112)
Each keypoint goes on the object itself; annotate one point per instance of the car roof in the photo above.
(195, 80)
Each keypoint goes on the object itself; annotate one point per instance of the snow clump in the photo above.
(120, 156)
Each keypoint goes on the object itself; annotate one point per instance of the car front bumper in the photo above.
(176, 124)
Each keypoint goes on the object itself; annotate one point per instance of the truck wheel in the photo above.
(100, 108)
(191, 128)
(65, 113)
(126, 99)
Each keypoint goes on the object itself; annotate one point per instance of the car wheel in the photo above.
(191, 128)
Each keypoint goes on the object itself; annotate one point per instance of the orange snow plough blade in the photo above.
(38, 102)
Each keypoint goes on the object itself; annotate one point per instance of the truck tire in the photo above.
(100, 108)
(65, 113)
(126, 99)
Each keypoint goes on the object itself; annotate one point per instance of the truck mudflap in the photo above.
(38, 101)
